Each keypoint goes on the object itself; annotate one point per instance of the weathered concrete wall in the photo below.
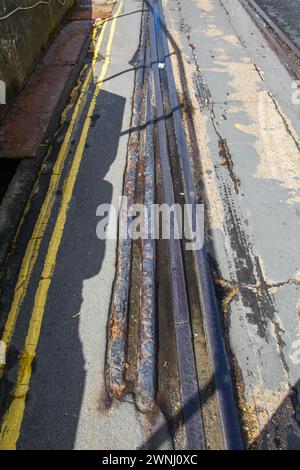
(22, 38)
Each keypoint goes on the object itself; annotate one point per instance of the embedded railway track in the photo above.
(282, 44)
(159, 156)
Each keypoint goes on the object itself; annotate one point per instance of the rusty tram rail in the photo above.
(287, 51)
(155, 104)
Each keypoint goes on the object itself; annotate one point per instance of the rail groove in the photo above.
(284, 47)
(155, 86)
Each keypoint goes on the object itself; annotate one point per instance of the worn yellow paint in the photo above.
(33, 246)
(13, 418)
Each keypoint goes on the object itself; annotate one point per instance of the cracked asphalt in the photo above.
(247, 130)
(243, 127)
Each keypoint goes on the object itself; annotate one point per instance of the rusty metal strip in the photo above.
(117, 326)
(145, 393)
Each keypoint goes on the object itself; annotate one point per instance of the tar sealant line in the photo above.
(191, 406)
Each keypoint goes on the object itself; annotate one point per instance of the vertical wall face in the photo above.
(22, 38)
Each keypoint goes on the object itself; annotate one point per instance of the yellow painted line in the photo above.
(13, 418)
(33, 246)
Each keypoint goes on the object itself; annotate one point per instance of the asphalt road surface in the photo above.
(63, 322)
(56, 290)
(247, 128)
(286, 14)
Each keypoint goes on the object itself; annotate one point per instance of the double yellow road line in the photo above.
(13, 418)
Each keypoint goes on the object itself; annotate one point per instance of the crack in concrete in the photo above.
(203, 96)
(232, 25)
(255, 292)
(284, 120)
(254, 287)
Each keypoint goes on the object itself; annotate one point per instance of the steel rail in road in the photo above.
(261, 18)
(157, 117)
(117, 327)
(220, 363)
(191, 404)
(276, 28)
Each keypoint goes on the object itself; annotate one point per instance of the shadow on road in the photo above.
(59, 383)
